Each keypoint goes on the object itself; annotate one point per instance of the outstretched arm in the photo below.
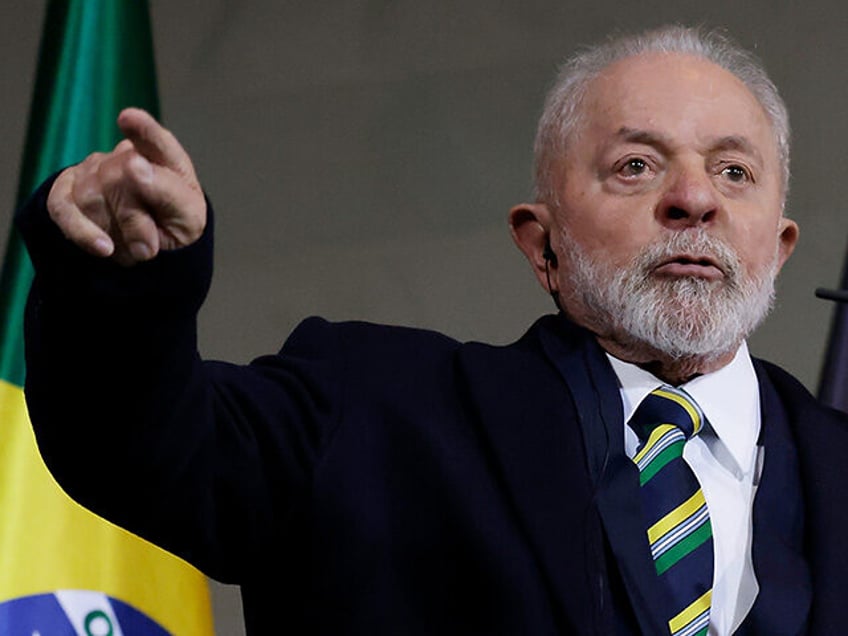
(204, 458)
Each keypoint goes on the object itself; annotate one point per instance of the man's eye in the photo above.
(633, 167)
(736, 173)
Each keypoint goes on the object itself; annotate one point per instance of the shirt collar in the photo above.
(729, 397)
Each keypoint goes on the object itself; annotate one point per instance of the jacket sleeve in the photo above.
(207, 459)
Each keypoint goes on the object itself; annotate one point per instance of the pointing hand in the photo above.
(132, 202)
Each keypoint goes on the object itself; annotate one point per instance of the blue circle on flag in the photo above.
(44, 614)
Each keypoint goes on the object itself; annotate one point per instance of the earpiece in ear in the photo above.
(548, 254)
(551, 259)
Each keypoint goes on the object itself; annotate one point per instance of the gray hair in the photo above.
(561, 114)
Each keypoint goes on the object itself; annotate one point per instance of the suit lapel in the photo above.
(784, 597)
(594, 388)
(820, 436)
(566, 481)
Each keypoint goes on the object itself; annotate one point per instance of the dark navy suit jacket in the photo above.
(380, 480)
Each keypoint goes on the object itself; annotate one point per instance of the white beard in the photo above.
(681, 317)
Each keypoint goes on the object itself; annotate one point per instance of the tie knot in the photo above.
(667, 405)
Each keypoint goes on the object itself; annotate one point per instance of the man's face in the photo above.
(670, 149)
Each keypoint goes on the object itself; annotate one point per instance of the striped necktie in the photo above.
(674, 509)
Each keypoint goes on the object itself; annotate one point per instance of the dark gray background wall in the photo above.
(362, 154)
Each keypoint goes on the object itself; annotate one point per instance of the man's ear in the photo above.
(529, 224)
(788, 238)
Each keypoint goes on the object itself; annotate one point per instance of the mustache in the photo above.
(692, 245)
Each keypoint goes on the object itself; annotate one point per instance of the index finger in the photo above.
(155, 142)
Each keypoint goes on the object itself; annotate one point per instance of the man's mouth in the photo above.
(690, 265)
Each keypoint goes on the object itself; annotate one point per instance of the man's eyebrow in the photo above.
(739, 143)
(639, 136)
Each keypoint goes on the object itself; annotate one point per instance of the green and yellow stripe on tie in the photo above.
(664, 445)
(695, 619)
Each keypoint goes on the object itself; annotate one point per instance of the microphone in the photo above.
(839, 295)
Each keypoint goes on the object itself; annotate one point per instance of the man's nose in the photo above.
(689, 200)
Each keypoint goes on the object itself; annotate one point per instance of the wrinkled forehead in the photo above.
(682, 94)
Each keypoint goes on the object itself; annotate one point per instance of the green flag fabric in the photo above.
(96, 57)
(65, 570)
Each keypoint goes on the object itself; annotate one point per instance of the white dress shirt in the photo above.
(727, 461)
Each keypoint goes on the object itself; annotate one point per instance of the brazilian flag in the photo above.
(63, 570)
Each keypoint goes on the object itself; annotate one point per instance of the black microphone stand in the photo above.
(833, 386)
(839, 295)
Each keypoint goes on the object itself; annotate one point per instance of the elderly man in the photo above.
(625, 467)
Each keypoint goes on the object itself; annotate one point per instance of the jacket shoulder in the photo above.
(794, 396)
(358, 335)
